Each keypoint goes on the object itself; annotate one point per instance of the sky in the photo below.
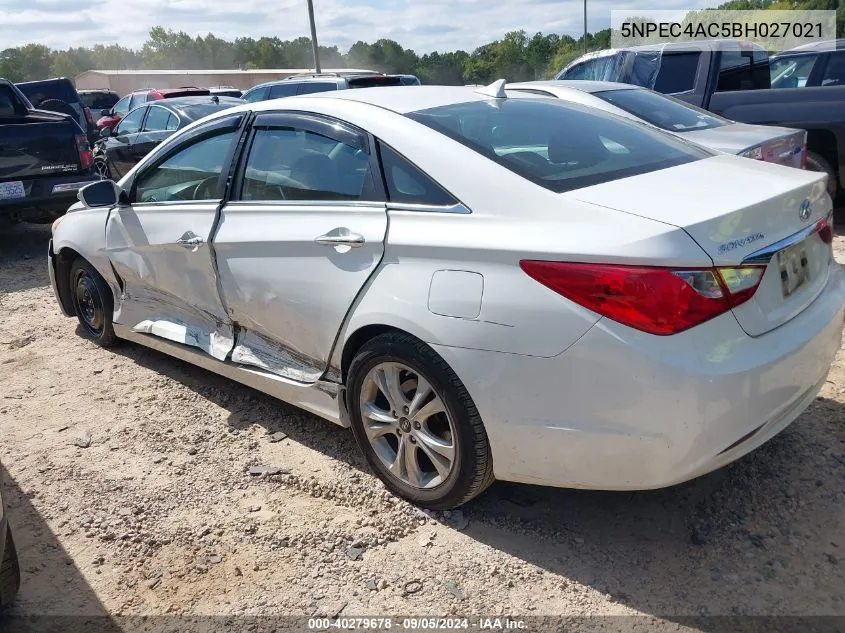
(422, 25)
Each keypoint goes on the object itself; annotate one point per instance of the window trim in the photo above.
(140, 125)
(319, 124)
(225, 124)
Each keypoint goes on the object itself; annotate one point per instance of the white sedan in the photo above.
(482, 287)
(782, 145)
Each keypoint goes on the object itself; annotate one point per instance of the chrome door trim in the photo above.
(428, 208)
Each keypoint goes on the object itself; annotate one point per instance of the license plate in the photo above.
(12, 190)
(794, 268)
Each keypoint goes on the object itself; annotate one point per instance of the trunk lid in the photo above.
(37, 145)
(780, 145)
(740, 211)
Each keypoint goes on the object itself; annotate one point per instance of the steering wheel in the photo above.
(205, 190)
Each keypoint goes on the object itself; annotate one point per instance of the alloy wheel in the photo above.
(407, 425)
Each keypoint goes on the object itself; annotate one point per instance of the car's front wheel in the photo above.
(92, 301)
(417, 424)
(10, 573)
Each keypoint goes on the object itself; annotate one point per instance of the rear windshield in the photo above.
(38, 91)
(196, 112)
(99, 100)
(558, 145)
(664, 112)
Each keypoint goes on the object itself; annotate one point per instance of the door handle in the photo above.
(341, 237)
(189, 240)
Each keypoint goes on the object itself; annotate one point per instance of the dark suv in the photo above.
(322, 82)
(59, 95)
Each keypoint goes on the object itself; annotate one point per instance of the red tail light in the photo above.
(660, 301)
(825, 229)
(86, 157)
(804, 156)
(88, 116)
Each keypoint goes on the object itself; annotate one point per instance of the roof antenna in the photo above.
(495, 90)
(215, 99)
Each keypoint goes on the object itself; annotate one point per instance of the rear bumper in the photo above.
(47, 197)
(624, 410)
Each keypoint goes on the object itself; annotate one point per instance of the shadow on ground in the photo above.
(52, 586)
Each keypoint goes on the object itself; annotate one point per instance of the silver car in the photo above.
(782, 145)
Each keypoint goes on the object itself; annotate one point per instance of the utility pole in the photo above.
(314, 49)
(585, 24)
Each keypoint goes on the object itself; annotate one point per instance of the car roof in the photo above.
(816, 47)
(42, 82)
(86, 91)
(399, 99)
(572, 84)
(323, 78)
(184, 105)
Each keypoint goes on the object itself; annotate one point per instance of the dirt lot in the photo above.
(128, 476)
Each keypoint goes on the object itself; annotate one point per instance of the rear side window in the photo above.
(159, 119)
(407, 184)
(372, 81)
(39, 91)
(663, 111)
(677, 73)
(282, 90)
(558, 145)
(834, 72)
(312, 88)
(743, 70)
(98, 100)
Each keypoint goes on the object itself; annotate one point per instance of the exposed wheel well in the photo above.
(823, 143)
(64, 258)
(358, 339)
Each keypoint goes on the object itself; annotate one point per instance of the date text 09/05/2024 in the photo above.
(416, 624)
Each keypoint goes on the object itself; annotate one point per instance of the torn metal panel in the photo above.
(259, 351)
(210, 342)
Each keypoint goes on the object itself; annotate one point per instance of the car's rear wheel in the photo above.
(92, 301)
(102, 167)
(417, 424)
(10, 573)
(817, 163)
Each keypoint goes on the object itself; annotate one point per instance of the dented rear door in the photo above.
(303, 233)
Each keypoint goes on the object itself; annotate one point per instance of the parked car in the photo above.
(761, 142)
(409, 80)
(10, 573)
(733, 79)
(44, 160)
(226, 91)
(813, 65)
(481, 287)
(59, 95)
(98, 100)
(145, 127)
(109, 119)
(323, 82)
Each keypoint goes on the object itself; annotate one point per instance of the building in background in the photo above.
(125, 81)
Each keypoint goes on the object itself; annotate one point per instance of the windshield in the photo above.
(98, 100)
(558, 145)
(664, 112)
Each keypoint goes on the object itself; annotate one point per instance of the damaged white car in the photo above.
(481, 287)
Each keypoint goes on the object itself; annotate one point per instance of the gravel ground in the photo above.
(140, 485)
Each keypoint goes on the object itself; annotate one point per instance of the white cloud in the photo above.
(423, 25)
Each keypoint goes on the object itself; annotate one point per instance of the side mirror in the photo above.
(104, 193)
(105, 132)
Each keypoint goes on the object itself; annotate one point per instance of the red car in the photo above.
(110, 118)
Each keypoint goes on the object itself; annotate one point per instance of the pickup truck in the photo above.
(732, 79)
(44, 160)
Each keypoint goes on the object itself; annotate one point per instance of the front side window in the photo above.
(677, 72)
(159, 120)
(558, 145)
(598, 69)
(138, 99)
(192, 173)
(663, 111)
(122, 106)
(791, 72)
(286, 163)
(256, 95)
(131, 123)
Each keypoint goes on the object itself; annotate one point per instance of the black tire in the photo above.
(57, 105)
(102, 167)
(817, 163)
(472, 472)
(92, 301)
(10, 573)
